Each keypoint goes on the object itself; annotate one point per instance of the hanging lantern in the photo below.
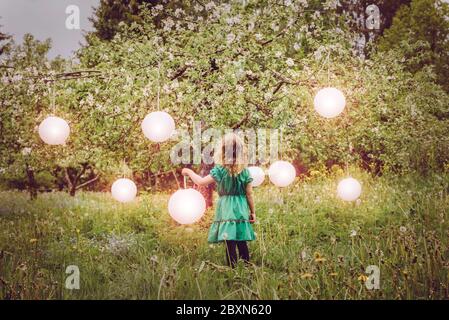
(54, 130)
(257, 174)
(186, 206)
(349, 189)
(282, 173)
(329, 102)
(124, 190)
(158, 126)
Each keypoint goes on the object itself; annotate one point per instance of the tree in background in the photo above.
(421, 32)
(4, 41)
(110, 13)
(247, 65)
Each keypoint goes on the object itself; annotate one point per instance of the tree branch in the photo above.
(87, 182)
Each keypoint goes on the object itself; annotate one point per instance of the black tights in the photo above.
(231, 251)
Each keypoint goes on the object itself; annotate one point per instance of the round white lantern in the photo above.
(186, 206)
(329, 102)
(349, 189)
(158, 126)
(282, 173)
(124, 190)
(257, 174)
(54, 130)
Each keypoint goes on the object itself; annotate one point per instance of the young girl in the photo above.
(235, 208)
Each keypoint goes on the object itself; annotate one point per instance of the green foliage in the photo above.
(230, 66)
(310, 245)
(421, 31)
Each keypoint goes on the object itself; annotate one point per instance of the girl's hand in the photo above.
(252, 218)
(185, 172)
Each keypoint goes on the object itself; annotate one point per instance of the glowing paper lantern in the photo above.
(282, 173)
(54, 130)
(329, 102)
(186, 206)
(124, 190)
(349, 189)
(257, 174)
(158, 126)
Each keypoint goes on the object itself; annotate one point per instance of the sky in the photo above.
(47, 19)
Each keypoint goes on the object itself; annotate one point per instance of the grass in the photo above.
(310, 245)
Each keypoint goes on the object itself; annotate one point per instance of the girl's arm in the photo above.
(197, 179)
(249, 197)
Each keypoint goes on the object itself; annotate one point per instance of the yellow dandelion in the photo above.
(314, 173)
(320, 260)
(362, 278)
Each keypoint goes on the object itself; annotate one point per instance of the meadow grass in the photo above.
(310, 245)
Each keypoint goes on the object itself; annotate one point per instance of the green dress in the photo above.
(231, 220)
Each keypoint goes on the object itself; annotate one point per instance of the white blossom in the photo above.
(353, 233)
(168, 24)
(26, 151)
(230, 37)
(209, 5)
(290, 62)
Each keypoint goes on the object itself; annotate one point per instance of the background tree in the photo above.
(421, 32)
(4, 41)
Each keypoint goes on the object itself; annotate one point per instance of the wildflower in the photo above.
(319, 258)
(230, 38)
(353, 233)
(297, 46)
(26, 151)
(362, 278)
(240, 88)
(290, 62)
(402, 229)
(258, 36)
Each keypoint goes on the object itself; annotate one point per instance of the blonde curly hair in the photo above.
(231, 153)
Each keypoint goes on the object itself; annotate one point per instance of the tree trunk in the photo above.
(32, 185)
(73, 176)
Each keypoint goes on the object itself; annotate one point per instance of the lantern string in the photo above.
(158, 84)
(51, 92)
